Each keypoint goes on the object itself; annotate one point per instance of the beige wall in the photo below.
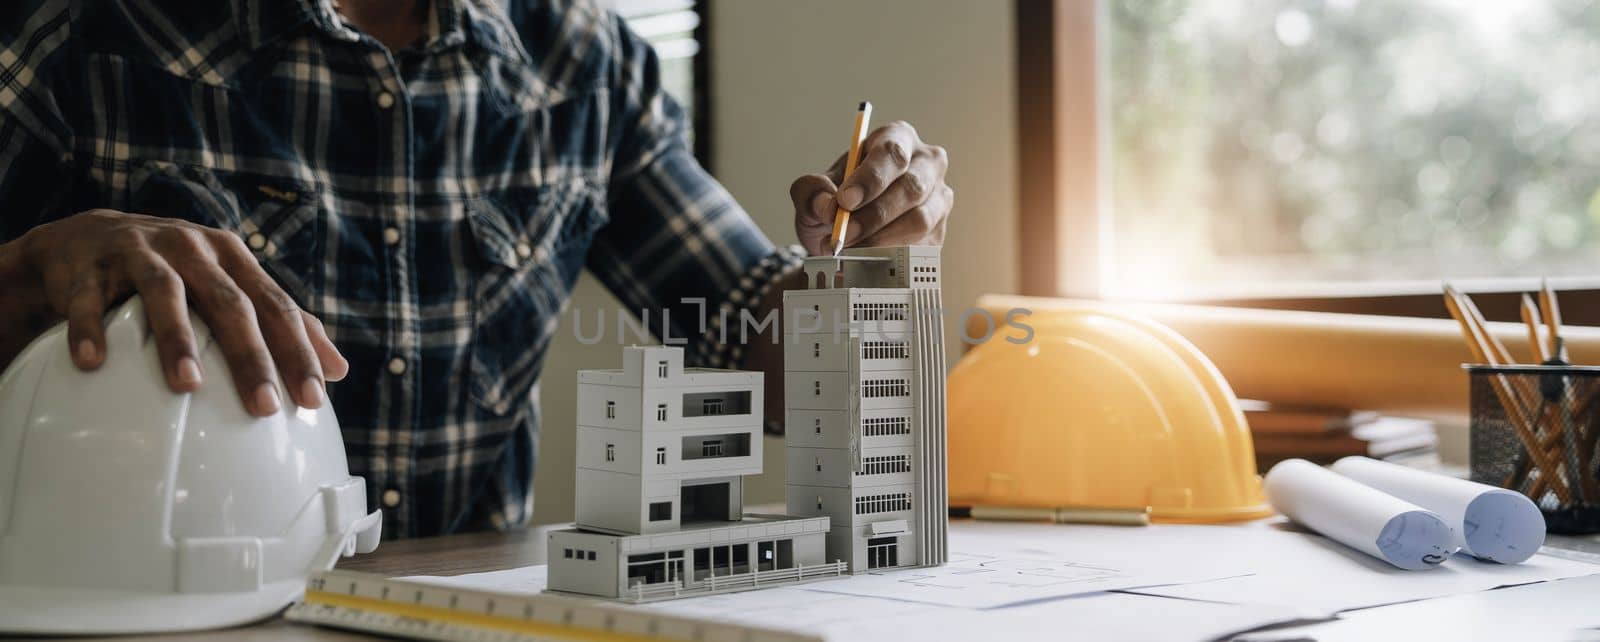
(787, 76)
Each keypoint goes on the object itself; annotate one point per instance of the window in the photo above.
(611, 452)
(661, 412)
(819, 463)
(766, 556)
(736, 444)
(661, 456)
(660, 511)
(567, 553)
(872, 388)
(661, 369)
(1280, 146)
(869, 504)
(710, 407)
(816, 388)
(816, 350)
(591, 556)
(611, 410)
(884, 426)
(884, 350)
(884, 465)
(819, 502)
(655, 568)
(878, 311)
(713, 404)
(817, 423)
(883, 552)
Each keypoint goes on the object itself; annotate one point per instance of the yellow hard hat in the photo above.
(1100, 409)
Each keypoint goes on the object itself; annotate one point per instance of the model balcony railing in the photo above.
(756, 579)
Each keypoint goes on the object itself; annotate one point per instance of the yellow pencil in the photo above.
(841, 218)
(1530, 318)
(1552, 319)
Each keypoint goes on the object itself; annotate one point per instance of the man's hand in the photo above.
(896, 196)
(77, 267)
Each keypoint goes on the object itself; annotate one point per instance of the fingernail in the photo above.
(311, 395)
(188, 371)
(850, 198)
(266, 399)
(86, 352)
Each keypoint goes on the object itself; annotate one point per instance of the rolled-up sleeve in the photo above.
(678, 250)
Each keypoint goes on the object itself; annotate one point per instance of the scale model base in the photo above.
(757, 552)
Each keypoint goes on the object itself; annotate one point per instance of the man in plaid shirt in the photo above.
(395, 192)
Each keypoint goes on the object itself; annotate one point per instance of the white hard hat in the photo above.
(127, 508)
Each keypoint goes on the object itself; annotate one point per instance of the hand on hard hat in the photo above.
(80, 266)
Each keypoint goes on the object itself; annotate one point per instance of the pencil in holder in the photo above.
(1535, 430)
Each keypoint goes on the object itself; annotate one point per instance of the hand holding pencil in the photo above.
(894, 194)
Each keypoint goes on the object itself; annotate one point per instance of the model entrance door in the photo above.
(883, 552)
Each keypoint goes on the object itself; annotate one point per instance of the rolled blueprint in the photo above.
(1490, 523)
(1359, 516)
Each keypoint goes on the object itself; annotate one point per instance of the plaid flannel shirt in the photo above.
(433, 206)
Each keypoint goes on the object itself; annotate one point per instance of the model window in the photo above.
(661, 412)
(611, 410)
(884, 350)
(660, 511)
(816, 350)
(882, 426)
(816, 388)
(818, 424)
(591, 556)
(710, 407)
(568, 553)
(711, 448)
(661, 456)
(868, 504)
(819, 464)
(661, 369)
(611, 452)
(885, 388)
(885, 465)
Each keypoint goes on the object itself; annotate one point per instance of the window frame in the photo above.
(1064, 198)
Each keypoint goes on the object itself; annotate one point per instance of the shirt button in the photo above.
(385, 100)
(391, 498)
(523, 250)
(397, 366)
(391, 236)
(256, 241)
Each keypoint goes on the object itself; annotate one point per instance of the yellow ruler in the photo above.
(406, 609)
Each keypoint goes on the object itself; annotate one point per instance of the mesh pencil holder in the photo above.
(1535, 430)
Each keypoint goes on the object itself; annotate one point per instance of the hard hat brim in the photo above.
(79, 611)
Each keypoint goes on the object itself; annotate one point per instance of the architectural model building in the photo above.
(662, 451)
(864, 375)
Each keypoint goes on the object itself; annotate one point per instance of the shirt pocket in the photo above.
(531, 244)
(277, 218)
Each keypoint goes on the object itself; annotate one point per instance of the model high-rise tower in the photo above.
(864, 373)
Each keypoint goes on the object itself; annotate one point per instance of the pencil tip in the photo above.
(864, 104)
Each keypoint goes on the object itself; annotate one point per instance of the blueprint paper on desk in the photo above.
(1294, 568)
(1555, 610)
(847, 618)
(1095, 616)
(1030, 562)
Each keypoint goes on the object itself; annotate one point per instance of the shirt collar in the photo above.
(450, 23)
